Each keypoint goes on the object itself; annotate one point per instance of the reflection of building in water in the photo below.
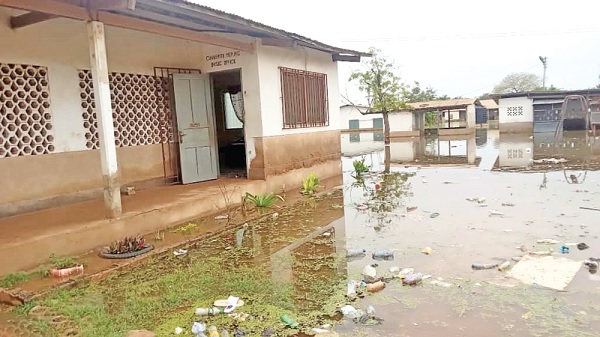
(435, 150)
(319, 251)
(359, 143)
(515, 150)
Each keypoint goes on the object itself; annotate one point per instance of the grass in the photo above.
(163, 293)
(14, 279)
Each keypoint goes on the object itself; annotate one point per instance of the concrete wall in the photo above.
(348, 113)
(519, 122)
(62, 46)
(471, 116)
(401, 121)
(517, 152)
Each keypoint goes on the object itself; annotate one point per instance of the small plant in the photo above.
(159, 236)
(186, 228)
(13, 279)
(359, 166)
(310, 184)
(262, 200)
(62, 262)
(129, 244)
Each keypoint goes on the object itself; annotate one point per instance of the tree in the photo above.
(383, 91)
(517, 82)
(416, 94)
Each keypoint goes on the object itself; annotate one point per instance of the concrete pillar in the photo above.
(106, 132)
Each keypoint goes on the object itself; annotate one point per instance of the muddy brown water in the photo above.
(478, 303)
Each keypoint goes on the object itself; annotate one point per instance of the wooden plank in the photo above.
(30, 18)
(161, 29)
(53, 7)
(274, 42)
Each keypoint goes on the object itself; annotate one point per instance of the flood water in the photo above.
(541, 205)
(535, 185)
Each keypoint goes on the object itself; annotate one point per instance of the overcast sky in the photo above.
(458, 47)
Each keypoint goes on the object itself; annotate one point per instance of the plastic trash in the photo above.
(178, 330)
(352, 288)
(481, 266)
(427, 250)
(213, 332)
(508, 204)
(505, 265)
(434, 215)
(564, 249)
(375, 287)
(356, 253)
(347, 309)
(209, 311)
(319, 330)
(371, 310)
(180, 252)
(412, 279)
(495, 212)
(582, 246)
(287, 320)
(406, 271)
(591, 264)
(369, 271)
(541, 253)
(385, 253)
(394, 270)
(548, 241)
(198, 329)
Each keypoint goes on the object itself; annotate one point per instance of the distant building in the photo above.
(540, 111)
(487, 113)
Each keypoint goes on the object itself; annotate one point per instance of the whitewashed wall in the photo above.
(348, 113)
(401, 121)
(269, 61)
(516, 153)
(62, 46)
(515, 102)
(471, 114)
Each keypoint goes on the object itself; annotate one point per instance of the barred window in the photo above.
(304, 98)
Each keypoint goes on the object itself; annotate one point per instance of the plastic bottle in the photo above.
(198, 329)
(209, 311)
(504, 265)
(480, 266)
(212, 331)
(412, 279)
(383, 254)
(356, 253)
(289, 321)
(375, 287)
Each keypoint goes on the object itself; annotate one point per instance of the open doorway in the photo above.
(229, 117)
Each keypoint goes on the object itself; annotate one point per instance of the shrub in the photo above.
(262, 200)
(359, 166)
(128, 244)
(310, 184)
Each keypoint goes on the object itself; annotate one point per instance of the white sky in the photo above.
(459, 47)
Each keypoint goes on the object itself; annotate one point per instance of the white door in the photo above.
(194, 109)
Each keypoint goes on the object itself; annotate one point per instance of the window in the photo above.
(354, 124)
(355, 138)
(231, 119)
(304, 99)
(377, 123)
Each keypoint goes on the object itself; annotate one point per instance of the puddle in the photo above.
(440, 194)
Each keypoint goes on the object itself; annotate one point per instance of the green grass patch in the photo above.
(14, 279)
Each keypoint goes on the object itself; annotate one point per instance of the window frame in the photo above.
(304, 99)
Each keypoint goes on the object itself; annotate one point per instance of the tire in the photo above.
(107, 255)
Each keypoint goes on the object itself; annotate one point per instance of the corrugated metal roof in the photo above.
(189, 15)
(445, 104)
(489, 104)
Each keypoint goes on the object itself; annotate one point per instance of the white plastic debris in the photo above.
(495, 212)
(394, 270)
(548, 241)
(222, 217)
(178, 331)
(369, 271)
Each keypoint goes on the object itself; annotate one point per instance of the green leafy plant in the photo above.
(13, 279)
(128, 244)
(359, 166)
(62, 262)
(310, 184)
(262, 200)
(186, 228)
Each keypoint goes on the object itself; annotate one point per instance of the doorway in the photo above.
(195, 127)
(228, 104)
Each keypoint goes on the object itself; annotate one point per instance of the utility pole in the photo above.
(545, 63)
